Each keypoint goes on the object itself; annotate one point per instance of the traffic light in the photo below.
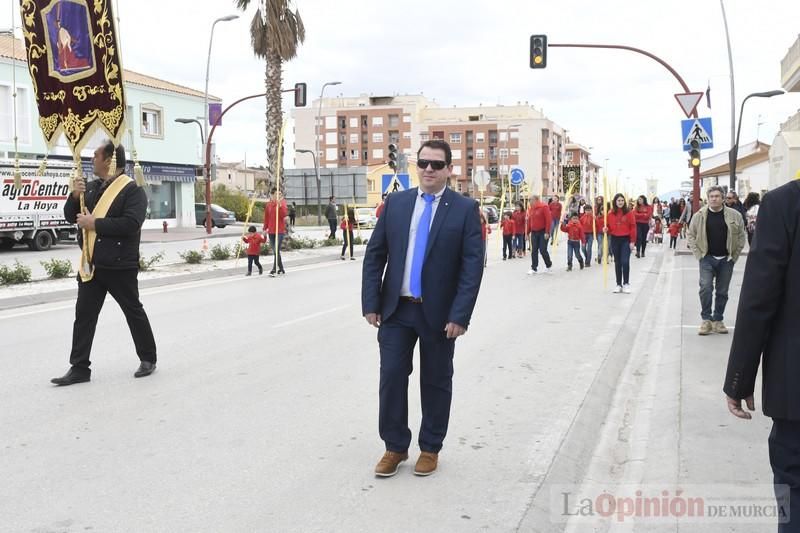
(300, 94)
(393, 156)
(694, 153)
(538, 51)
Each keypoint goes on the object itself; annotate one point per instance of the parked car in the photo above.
(365, 217)
(491, 213)
(220, 217)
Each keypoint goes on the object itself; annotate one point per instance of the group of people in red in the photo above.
(541, 220)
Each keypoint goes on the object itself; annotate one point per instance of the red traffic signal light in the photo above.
(538, 53)
(300, 94)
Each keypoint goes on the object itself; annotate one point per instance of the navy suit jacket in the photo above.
(769, 307)
(453, 267)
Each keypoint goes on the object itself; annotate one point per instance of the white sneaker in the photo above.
(531, 272)
(618, 289)
(626, 289)
(548, 270)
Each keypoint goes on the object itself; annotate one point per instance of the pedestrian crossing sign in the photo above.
(394, 183)
(697, 129)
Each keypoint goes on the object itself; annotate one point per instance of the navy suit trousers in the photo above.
(784, 457)
(397, 337)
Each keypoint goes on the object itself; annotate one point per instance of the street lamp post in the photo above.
(319, 185)
(189, 121)
(733, 155)
(505, 147)
(207, 175)
(316, 141)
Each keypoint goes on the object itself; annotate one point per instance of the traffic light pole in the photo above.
(696, 175)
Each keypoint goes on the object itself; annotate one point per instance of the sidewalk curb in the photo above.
(70, 294)
(571, 461)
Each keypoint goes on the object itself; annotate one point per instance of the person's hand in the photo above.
(605, 230)
(735, 407)
(86, 221)
(633, 246)
(547, 236)
(454, 330)
(79, 188)
(373, 319)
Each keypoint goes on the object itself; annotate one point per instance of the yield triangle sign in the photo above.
(688, 102)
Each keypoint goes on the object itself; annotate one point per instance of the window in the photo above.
(377, 137)
(330, 138)
(424, 137)
(394, 137)
(377, 121)
(515, 152)
(353, 122)
(354, 138)
(161, 200)
(492, 152)
(152, 121)
(370, 185)
(364, 121)
(330, 123)
(514, 134)
(503, 153)
(366, 155)
(354, 154)
(457, 170)
(343, 154)
(569, 157)
(330, 154)
(377, 153)
(503, 136)
(394, 121)
(342, 122)
(342, 139)
(480, 137)
(407, 118)
(7, 114)
(480, 153)
(456, 154)
(407, 135)
(455, 138)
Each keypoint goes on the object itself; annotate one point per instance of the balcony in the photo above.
(790, 68)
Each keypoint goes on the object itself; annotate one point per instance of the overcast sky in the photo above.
(471, 52)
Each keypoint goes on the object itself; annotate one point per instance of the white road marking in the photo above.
(309, 317)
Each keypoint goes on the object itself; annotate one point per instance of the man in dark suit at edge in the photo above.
(767, 330)
(428, 240)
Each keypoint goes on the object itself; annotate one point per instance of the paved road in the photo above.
(262, 416)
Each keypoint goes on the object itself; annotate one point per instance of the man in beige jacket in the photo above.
(716, 237)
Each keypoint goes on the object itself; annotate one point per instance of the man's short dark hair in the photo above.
(273, 190)
(715, 188)
(438, 144)
(330, 198)
(109, 149)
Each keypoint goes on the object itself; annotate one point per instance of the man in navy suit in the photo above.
(428, 240)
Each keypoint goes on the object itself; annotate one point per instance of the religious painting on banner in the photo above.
(75, 67)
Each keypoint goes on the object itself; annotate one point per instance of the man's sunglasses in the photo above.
(437, 165)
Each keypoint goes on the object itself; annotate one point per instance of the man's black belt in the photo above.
(411, 299)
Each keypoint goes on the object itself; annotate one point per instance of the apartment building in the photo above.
(356, 131)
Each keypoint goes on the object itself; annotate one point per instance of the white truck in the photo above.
(34, 214)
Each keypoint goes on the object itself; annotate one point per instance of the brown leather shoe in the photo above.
(426, 464)
(389, 463)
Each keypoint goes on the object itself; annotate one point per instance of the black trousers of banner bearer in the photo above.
(123, 286)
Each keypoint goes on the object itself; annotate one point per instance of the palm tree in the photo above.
(276, 41)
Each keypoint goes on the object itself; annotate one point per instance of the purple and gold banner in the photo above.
(75, 68)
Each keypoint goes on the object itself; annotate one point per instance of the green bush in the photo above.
(146, 264)
(19, 273)
(57, 268)
(192, 257)
(220, 252)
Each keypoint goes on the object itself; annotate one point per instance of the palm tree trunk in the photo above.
(273, 81)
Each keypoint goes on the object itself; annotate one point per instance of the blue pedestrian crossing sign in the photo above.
(394, 183)
(697, 129)
(517, 176)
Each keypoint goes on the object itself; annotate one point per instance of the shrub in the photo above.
(146, 264)
(220, 252)
(19, 273)
(57, 268)
(192, 257)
